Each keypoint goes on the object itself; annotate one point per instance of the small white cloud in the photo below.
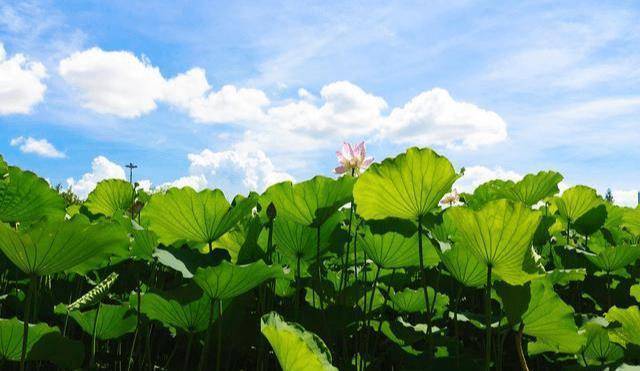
(625, 197)
(40, 147)
(145, 185)
(21, 86)
(113, 82)
(197, 182)
(477, 175)
(101, 168)
(434, 117)
(229, 105)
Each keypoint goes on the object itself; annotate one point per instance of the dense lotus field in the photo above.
(383, 268)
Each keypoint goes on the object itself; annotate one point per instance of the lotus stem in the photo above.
(487, 321)
(423, 278)
(27, 311)
(318, 263)
(188, 354)
(219, 345)
(523, 360)
(93, 337)
(343, 277)
(207, 340)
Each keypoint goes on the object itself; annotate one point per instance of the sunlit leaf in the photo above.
(109, 197)
(628, 331)
(295, 348)
(54, 246)
(311, 202)
(184, 214)
(599, 349)
(113, 322)
(412, 301)
(499, 235)
(25, 197)
(407, 187)
(615, 257)
(395, 249)
(576, 201)
(227, 280)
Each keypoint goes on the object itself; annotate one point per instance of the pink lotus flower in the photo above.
(451, 198)
(352, 159)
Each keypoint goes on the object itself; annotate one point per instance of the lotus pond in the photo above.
(383, 268)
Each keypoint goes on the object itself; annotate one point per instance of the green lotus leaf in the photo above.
(311, 202)
(412, 301)
(535, 187)
(394, 249)
(297, 240)
(296, 348)
(544, 315)
(599, 349)
(186, 308)
(109, 197)
(634, 291)
(144, 244)
(226, 280)
(613, 258)
(631, 221)
(44, 343)
(486, 192)
(464, 266)
(4, 169)
(591, 221)
(628, 331)
(499, 235)
(407, 187)
(184, 214)
(25, 198)
(577, 201)
(113, 322)
(563, 277)
(50, 247)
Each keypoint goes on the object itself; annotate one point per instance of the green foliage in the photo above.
(110, 197)
(407, 187)
(193, 280)
(296, 348)
(25, 198)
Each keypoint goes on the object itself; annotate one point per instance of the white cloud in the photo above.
(115, 82)
(477, 175)
(197, 182)
(101, 168)
(40, 147)
(21, 86)
(122, 84)
(625, 197)
(434, 117)
(238, 170)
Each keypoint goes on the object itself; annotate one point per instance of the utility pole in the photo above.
(131, 166)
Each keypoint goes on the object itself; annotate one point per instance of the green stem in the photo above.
(207, 340)
(27, 311)
(343, 277)
(188, 355)
(487, 321)
(93, 338)
(318, 263)
(521, 358)
(298, 287)
(423, 278)
(219, 345)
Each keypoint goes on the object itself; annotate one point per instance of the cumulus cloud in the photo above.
(40, 147)
(434, 117)
(625, 197)
(237, 170)
(101, 168)
(120, 83)
(476, 175)
(21, 86)
(115, 82)
(197, 182)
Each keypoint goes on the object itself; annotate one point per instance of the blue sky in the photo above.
(243, 94)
